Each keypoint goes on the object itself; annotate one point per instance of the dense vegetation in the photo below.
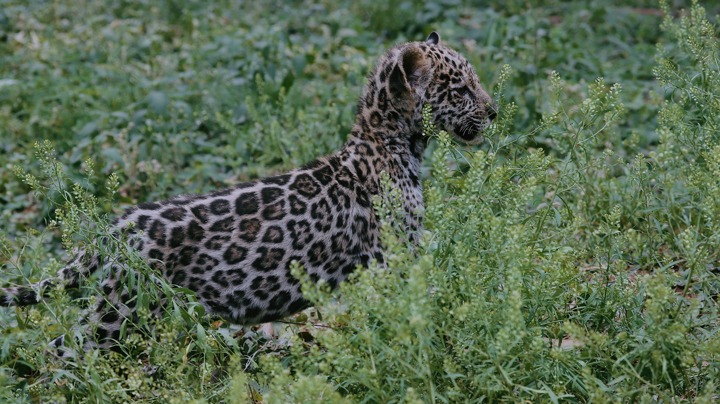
(572, 257)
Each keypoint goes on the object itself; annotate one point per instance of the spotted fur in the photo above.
(234, 247)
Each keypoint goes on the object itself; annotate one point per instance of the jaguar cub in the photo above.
(234, 247)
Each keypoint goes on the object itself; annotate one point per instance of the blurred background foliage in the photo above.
(186, 96)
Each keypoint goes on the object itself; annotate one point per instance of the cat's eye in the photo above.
(465, 91)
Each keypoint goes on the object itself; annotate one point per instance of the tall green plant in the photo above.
(526, 283)
(174, 343)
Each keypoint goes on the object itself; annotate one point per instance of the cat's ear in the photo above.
(412, 71)
(433, 38)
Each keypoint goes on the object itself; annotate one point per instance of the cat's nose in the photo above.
(492, 112)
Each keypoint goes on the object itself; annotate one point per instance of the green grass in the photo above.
(573, 257)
